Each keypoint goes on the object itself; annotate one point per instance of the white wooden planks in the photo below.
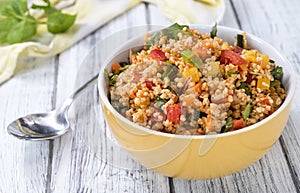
(24, 165)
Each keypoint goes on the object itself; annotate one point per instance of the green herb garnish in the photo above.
(159, 101)
(244, 86)
(227, 126)
(257, 73)
(18, 25)
(171, 71)
(247, 112)
(229, 73)
(171, 32)
(214, 31)
(277, 73)
(189, 56)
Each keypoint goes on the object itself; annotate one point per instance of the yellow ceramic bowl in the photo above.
(200, 157)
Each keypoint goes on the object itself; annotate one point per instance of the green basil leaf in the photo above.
(5, 25)
(59, 22)
(22, 31)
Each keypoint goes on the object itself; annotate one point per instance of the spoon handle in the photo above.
(67, 103)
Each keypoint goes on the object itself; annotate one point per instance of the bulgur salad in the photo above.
(191, 83)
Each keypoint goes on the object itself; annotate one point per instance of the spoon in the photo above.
(43, 126)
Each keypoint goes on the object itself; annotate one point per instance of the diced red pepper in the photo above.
(237, 49)
(237, 124)
(174, 112)
(158, 55)
(149, 84)
(228, 56)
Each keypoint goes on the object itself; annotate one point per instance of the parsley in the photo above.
(18, 25)
(227, 126)
(171, 32)
(244, 86)
(214, 31)
(247, 112)
(277, 73)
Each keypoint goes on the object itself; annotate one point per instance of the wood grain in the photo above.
(87, 159)
(24, 164)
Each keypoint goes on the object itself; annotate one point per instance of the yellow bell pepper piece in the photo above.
(263, 83)
(193, 73)
(265, 60)
(250, 56)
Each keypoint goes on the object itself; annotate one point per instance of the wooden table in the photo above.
(86, 160)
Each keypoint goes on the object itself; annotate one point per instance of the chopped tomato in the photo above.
(228, 56)
(158, 55)
(115, 67)
(237, 49)
(174, 112)
(266, 101)
(237, 124)
(149, 84)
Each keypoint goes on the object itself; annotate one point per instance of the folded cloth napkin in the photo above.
(91, 14)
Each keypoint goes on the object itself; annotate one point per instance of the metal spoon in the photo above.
(43, 126)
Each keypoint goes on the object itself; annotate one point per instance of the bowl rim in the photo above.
(289, 98)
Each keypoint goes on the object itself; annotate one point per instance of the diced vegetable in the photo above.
(185, 84)
(153, 40)
(158, 55)
(265, 60)
(228, 56)
(237, 124)
(174, 112)
(240, 40)
(228, 125)
(173, 30)
(149, 84)
(229, 73)
(275, 83)
(171, 71)
(263, 83)
(244, 86)
(247, 112)
(277, 73)
(250, 56)
(193, 73)
(197, 87)
(159, 101)
(189, 56)
(214, 31)
(237, 49)
(115, 67)
(214, 69)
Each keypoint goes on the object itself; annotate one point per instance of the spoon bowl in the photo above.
(44, 126)
(39, 126)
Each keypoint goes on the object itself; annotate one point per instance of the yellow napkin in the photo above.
(91, 14)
